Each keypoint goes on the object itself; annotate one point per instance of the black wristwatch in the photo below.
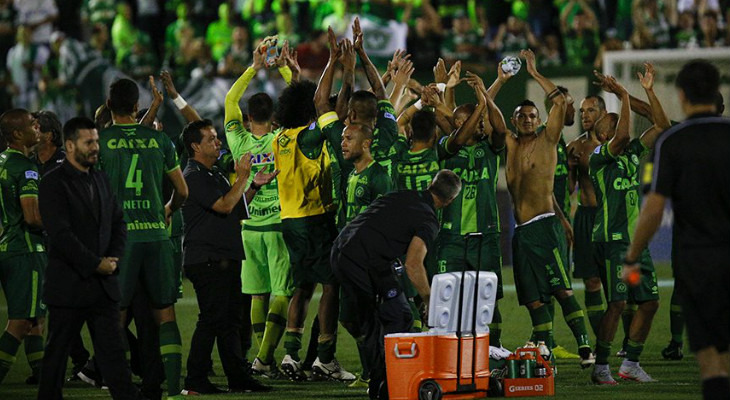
(254, 186)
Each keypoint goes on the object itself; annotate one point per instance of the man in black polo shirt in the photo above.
(48, 153)
(213, 251)
(692, 169)
(362, 258)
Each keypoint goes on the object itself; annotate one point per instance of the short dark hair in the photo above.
(72, 127)
(365, 103)
(192, 134)
(526, 103)
(599, 100)
(260, 107)
(102, 117)
(446, 185)
(296, 105)
(700, 82)
(365, 130)
(49, 122)
(423, 125)
(10, 121)
(123, 96)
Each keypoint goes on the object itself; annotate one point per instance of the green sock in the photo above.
(676, 319)
(575, 318)
(595, 308)
(542, 324)
(258, 318)
(8, 349)
(550, 342)
(495, 328)
(626, 317)
(171, 352)
(275, 325)
(326, 344)
(293, 343)
(603, 350)
(34, 352)
(633, 350)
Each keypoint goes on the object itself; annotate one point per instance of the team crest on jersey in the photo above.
(233, 126)
(621, 287)
(284, 140)
(360, 191)
(634, 159)
(479, 153)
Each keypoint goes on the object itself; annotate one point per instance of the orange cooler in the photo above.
(427, 363)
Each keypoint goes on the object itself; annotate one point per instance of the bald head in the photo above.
(462, 113)
(15, 124)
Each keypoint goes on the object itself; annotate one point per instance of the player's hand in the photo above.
(429, 96)
(529, 57)
(439, 72)
(259, 58)
(107, 266)
(348, 58)
(283, 55)
(423, 310)
(631, 274)
(262, 178)
(454, 75)
(334, 48)
(647, 79)
(243, 167)
(601, 81)
(615, 87)
(169, 86)
(399, 57)
(156, 94)
(293, 63)
(502, 75)
(403, 74)
(357, 37)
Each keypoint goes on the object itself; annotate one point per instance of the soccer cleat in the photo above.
(602, 375)
(292, 369)
(562, 353)
(266, 370)
(586, 357)
(331, 371)
(673, 351)
(359, 383)
(633, 372)
(621, 353)
(188, 392)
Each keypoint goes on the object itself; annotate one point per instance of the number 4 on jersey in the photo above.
(134, 177)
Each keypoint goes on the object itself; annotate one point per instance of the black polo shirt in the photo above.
(210, 235)
(383, 232)
(55, 160)
(692, 168)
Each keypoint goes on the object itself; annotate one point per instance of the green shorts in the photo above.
(149, 264)
(309, 241)
(583, 260)
(609, 256)
(177, 260)
(451, 255)
(266, 268)
(22, 280)
(539, 257)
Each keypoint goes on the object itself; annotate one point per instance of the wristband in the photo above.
(179, 102)
(554, 93)
(627, 262)
(430, 109)
(418, 105)
(441, 87)
(254, 186)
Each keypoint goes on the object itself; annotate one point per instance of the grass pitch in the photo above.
(677, 379)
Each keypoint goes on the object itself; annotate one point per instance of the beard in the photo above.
(87, 159)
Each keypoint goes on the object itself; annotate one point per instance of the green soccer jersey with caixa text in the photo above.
(364, 187)
(414, 170)
(18, 179)
(616, 181)
(137, 159)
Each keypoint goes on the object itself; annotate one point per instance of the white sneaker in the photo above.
(602, 375)
(266, 370)
(332, 371)
(292, 369)
(632, 371)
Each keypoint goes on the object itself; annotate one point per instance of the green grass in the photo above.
(677, 379)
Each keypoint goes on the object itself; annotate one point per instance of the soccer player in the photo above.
(691, 169)
(137, 159)
(266, 269)
(614, 169)
(538, 248)
(475, 208)
(22, 251)
(308, 227)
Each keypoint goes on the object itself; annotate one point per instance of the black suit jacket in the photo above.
(79, 236)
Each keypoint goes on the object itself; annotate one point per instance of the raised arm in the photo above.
(637, 105)
(453, 79)
(622, 137)
(556, 116)
(187, 111)
(324, 89)
(496, 119)
(283, 63)
(661, 121)
(370, 71)
(233, 97)
(149, 117)
(502, 78)
(466, 131)
(348, 59)
(400, 80)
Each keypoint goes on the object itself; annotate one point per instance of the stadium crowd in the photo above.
(302, 166)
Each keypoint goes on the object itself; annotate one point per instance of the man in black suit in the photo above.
(86, 235)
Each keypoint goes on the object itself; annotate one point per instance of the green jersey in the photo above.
(414, 170)
(136, 159)
(475, 208)
(560, 182)
(616, 181)
(18, 179)
(364, 187)
(385, 135)
(265, 209)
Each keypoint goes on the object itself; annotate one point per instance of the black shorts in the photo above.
(703, 282)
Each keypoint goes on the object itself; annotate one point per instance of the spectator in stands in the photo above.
(684, 35)
(176, 35)
(611, 43)
(424, 39)
(313, 55)
(124, 33)
(7, 29)
(141, 62)
(462, 42)
(238, 56)
(550, 52)
(651, 25)
(261, 17)
(38, 17)
(219, 32)
(100, 42)
(204, 65)
(512, 37)
(580, 36)
(712, 36)
(148, 20)
(24, 63)
(99, 11)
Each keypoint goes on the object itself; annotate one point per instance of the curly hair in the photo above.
(296, 105)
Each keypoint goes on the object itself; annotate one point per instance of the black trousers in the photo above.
(380, 311)
(64, 325)
(217, 285)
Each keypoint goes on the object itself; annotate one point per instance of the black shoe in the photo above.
(672, 352)
(31, 380)
(249, 385)
(204, 388)
(89, 375)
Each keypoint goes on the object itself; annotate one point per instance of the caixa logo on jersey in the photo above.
(263, 158)
(530, 388)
